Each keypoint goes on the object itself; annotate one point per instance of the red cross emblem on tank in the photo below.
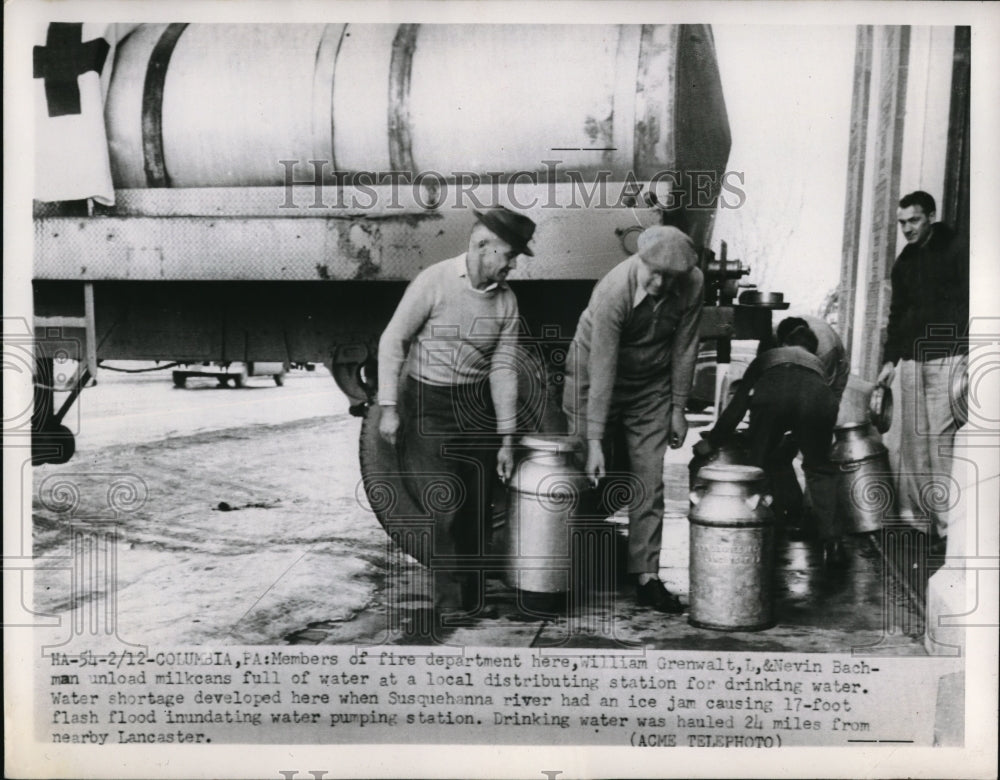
(62, 60)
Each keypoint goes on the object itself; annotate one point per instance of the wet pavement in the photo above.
(858, 606)
(261, 534)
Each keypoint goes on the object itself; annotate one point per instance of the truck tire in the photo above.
(180, 380)
(279, 379)
(55, 445)
(394, 506)
(384, 488)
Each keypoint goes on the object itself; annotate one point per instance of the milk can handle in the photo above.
(695, 495)
(752, 502)
(848, 466)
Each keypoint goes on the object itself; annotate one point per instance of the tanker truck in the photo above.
(277, 186)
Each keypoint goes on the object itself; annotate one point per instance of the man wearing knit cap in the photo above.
(448, 399)
(628, 376)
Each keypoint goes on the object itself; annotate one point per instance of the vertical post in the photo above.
(90, 326)
(889, 122)
(856, 161)
(955, 206)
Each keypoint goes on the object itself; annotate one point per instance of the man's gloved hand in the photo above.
(886, 375)
(704, 448)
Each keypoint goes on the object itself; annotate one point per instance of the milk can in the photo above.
(732, 550)
(864, 488)
(545, 492)
(732, 453)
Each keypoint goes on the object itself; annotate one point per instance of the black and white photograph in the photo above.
(501, 390)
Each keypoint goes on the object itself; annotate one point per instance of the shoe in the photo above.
(938, 546)
(834, 554)
(796, 533)
(655, 594)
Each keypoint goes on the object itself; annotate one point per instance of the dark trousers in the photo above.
(447, 448)
(793, 400)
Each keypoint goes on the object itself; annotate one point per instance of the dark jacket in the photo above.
(929, 313)
(776, 357)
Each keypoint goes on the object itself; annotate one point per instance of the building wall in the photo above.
(910, 131)
(900, 124)
(928, 100)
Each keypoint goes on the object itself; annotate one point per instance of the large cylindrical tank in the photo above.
(865, 480)
(732, 550)
(207, 105)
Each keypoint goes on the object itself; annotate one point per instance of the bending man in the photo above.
(628, 376)
(787, 391)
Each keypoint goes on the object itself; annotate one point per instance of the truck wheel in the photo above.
(387, 495)
(279, 379)
(180, 380)
(237, 381)
(223, 381)
(394, 506)
(55, 445)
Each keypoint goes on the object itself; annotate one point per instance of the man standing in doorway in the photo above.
(449, 404)
(927, 342)
(628, 376)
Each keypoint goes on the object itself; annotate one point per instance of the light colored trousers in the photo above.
(920, 447)
(635, 441)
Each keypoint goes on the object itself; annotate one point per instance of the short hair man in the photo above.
(820, 500)
(452, 416)
(629, 372)
(927, 341)
(786, 389)
(829, 349)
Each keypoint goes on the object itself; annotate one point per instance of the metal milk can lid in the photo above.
(731, 473)
(548, 443)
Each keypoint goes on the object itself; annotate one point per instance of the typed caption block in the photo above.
(404, 695)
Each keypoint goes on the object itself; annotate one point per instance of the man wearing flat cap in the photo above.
(448, 395)
(628, 378)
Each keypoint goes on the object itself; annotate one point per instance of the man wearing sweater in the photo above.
(628, 376)
(928, 338)
(449, 403)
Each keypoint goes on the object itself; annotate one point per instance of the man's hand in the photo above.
(388, 425)
(886, 375)
(594, 470)
(678, 428)
(505, 462)
(703, 448)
